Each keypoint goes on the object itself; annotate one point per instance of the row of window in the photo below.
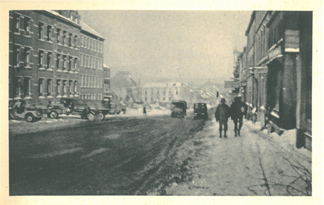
(45, 59)
(66, 39)
(157, 99)
(91, 43)
(90, 81)
(24, 24)
(91, 96)
(46, 87)
(91, 61)
(158, 92)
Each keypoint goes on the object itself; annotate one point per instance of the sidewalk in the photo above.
(253, 164)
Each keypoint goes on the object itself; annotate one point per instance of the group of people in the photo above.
(236, 112)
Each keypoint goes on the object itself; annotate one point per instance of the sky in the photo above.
(153, 44)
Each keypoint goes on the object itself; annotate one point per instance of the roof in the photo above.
(162, 85)
(61, 16)
(88, 29)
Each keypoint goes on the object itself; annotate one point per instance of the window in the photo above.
(88, 43)
(81, 43)
(64, 87)
(49, 33)
(88, 80)
(90, 83)
(17, 24)
(64, 38)
(75, 87)
(75, 41)
(27, 25)
(40, 30)
(81, 78)
(71, 85)
(70, 39)
(49, 60)
(58, 35)
(88, 61)
(58, 88)
(41, 87)
(58, 59)
(27, 57)
(40, 59)
(49, 87)
(27, 84)
(65, 62)
(17, 55)
(18, 86)
(75, 64)
(70, 63)
(81, 58)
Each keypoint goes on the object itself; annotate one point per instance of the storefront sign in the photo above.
(232, 84)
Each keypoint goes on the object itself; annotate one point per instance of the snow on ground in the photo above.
(252, 164)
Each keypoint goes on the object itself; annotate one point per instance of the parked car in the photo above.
(179, 108)
(200, 111)
(80, 107)
(29, 112)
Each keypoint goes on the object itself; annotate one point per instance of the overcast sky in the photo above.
(170, 44)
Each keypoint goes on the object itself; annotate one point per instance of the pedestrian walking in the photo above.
(85, 111)
(144, 110)
(238, 110)
(222, 114)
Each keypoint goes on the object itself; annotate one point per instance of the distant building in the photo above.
(125, 87)
(164, 92)
(45, 49)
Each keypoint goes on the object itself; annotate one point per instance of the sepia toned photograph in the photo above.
(144, 102)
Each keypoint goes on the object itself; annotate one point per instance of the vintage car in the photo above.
(178, 108)
(200, 111)
(87, 109)
(29, 112)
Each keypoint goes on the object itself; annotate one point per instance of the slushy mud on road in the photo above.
(122, 157)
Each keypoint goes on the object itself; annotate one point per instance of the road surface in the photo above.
(123, 156)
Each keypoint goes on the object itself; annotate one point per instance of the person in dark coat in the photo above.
(144, 111)
(222, 114)
(238, 110)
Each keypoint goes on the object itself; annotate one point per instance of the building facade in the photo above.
(164, 92)
(91, 64)
(278, 71)
(44, 56)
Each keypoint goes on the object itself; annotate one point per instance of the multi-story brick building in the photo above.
(278, 70)
(91, 66)
(44, 56)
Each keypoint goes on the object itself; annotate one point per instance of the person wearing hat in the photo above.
(238, 109)
(222, 114)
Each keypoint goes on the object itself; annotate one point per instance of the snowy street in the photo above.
(253, 164)
(155, 155)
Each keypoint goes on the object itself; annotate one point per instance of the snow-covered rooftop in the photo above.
(162, 85)
(87, 28)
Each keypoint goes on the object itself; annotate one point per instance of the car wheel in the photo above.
(91, 116)
(101, 116)
(53, 115)
(29, 117)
